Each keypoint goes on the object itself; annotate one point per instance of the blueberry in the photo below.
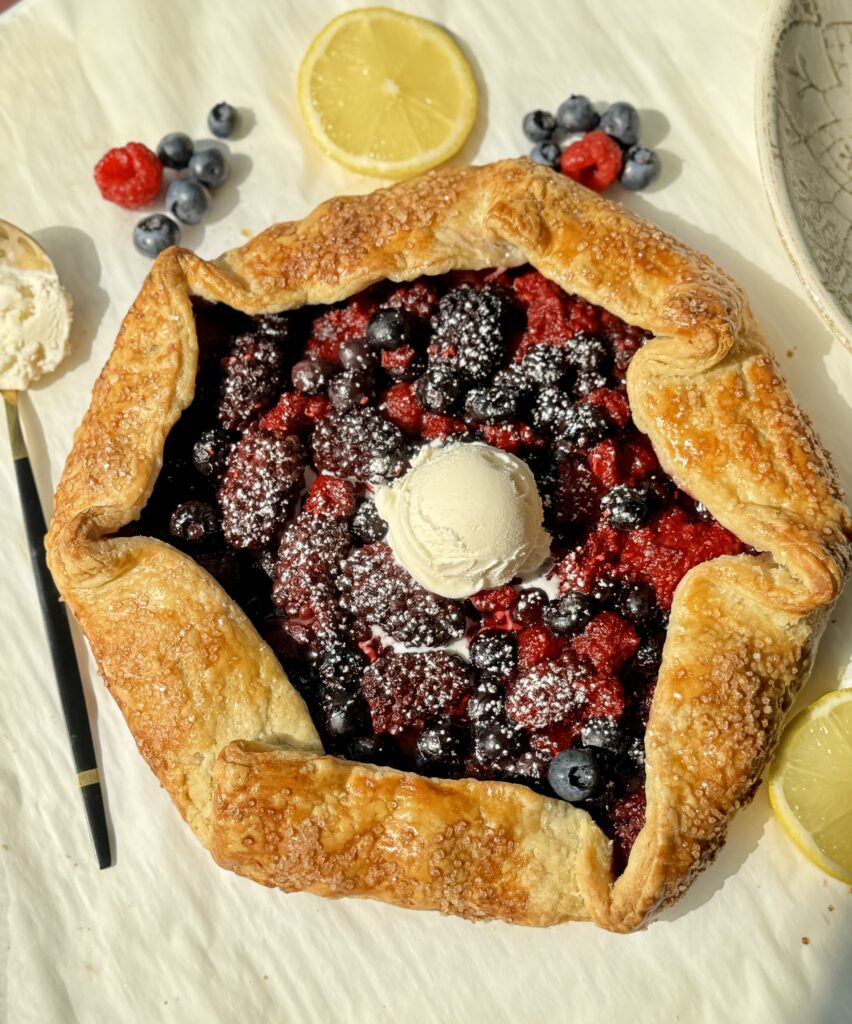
(573, 774)
(209, 166)
(310, 376)
(349, 390)
(603, 732)
(188, 201)
(497, 742)
(649, 654)
(621, 121)
(370, 749)
(637, 602)
(605, 591)
(577, 114)
(626, 507)
(539, 125)
(640, 167)
(222, 120)
(342, 666)
(438, 389)
(546, 153)
(355, 355)
(549, 410)
(344, 714)
(367, 525)
(194, 522)
(155, 233)
(388, 329)
(491, 405)
(568, 614)
(175, 150)
(441, 746)
(494, 651)
(530, 606)
(588, 381)
(486, 705)
(210, 453)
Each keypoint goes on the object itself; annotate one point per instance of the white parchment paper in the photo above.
(165, 935)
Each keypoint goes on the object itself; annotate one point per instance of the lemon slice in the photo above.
(810, 784)
(385, 93)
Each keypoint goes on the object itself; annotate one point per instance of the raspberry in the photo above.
(331, 496)
(418, 299)
(252, 374)
(402, 363)
(548, 692)
(608, 642)
(438, 428)
(613, 402)
(536, 644)
(497, 599)
(377, 590)
(260, 488)
(511, 437)
(593, 161)
(577, 500)
(360, 443)
(547, 312)
(402, 408)
(331, 329)
(317, 408)
(288, 416)
(405, 691)
(603, 462)
(129, 175)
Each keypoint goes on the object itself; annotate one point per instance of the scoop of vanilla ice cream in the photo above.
(35, 322)
(464, 518)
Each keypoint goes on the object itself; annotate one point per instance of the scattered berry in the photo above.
(188, 201)
(310, 376)
(209, 167)
(546, 153)
(251, 378)
(539, 125)
(222, 120)
(573, 775)
(438, 390)
(593, 161)
(129, 175)
(576, 114)
(641, 166)
(494, 651)
(330, 496)
(568, 614)
(349, 390)
(367, 525)
(621, 122)
(155, 233)
(491, 405)
(210, 453)
(441, 747)
(175, 150)
(194, 522)
(361, 444)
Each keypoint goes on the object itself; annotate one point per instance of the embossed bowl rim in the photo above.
(774, 179)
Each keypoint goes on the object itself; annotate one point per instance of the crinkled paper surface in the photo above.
(165, 935)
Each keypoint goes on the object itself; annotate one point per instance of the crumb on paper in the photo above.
(806, 941)
(831, 906)
(246, 232)
(790, 353)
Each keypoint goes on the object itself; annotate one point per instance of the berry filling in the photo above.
(267, 481)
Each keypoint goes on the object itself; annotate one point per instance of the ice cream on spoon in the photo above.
(464, 518)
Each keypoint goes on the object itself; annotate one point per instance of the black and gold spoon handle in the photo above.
(59, 640)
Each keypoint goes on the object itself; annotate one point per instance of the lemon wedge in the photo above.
(810, 783)
(385, 93)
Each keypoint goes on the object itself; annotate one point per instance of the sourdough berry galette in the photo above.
(458, 546)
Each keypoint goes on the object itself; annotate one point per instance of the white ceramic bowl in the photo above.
(804, 137)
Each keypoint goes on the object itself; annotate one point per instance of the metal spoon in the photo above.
(20, 252)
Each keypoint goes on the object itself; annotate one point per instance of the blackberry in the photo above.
(587, 352)
(587, 382)
(252, 377)
(469, 325)
(568, 614)
(544, 364)
(405, 691)
(342, 666)
(491, 405)
(367, 525)
(495, 652)
(377, 590)
(361, 444)
(498, 742)
(439, 389)
(603, 732)
(273, 325)
(210, 453)
(625, 507)
(388, 329)
(309, 556)
(260, 488)
(549, 410)
(513, 378)
(194, 522)
(583, 425)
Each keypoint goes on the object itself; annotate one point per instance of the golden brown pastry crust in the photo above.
(211, 708)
